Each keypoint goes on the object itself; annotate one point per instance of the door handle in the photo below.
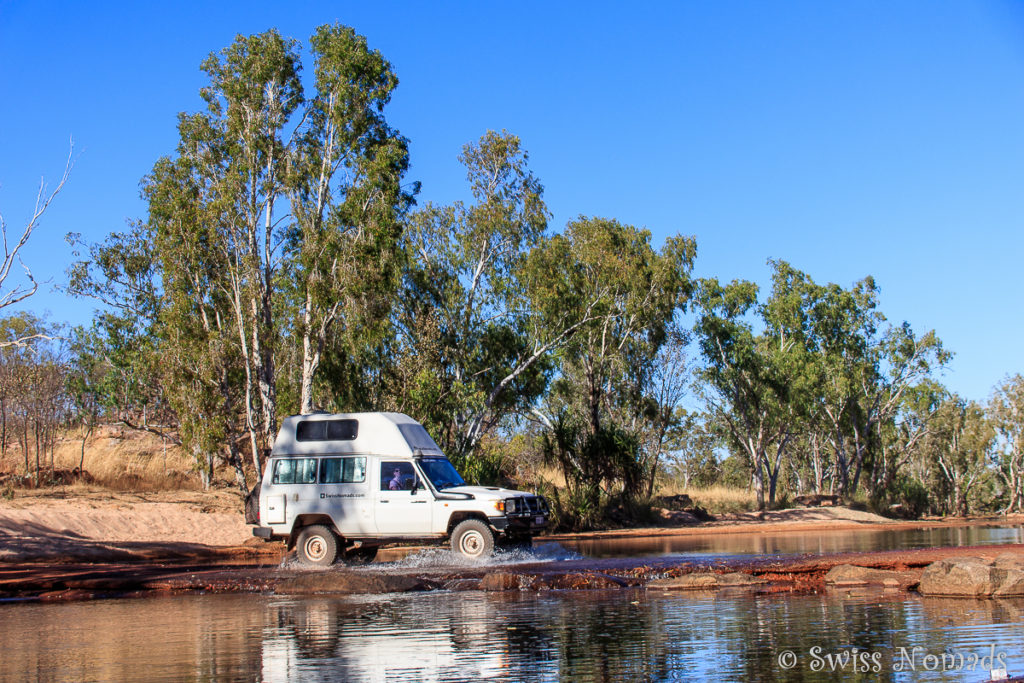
(419, 502)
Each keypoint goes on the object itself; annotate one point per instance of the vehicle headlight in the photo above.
(510, 506)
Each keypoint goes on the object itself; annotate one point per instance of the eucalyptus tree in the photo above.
(275, 218)
(200, 360)
(122, 345)
(346, 194)
(621, 373)
(898, 439)
(854, 373)
(471, 348)
(240, 144)
(960, 444)
(1006, 409)
(743, 379)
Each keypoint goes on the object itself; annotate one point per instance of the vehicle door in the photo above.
(403, 505)
(292, 489)
(344, 494)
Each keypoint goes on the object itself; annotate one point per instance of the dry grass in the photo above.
(717, 499)
(552, 476)
(117, 458)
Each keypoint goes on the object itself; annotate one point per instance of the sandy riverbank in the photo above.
(96, 543)
(94, 524)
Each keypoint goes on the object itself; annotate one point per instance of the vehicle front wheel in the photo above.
(317, 545)
(473, 539)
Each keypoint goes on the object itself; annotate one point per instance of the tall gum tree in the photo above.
(253, 91)
(742, 378)
(1007, 410)
(603, 279)
(275, 215)
(347, 198)
(474, 346)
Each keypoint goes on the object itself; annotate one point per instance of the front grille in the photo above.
(531, 506)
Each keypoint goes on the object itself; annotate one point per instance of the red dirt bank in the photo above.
(244, 570)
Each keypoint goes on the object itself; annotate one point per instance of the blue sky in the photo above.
(847, 138)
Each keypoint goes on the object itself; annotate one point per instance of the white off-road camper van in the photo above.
(344, 484)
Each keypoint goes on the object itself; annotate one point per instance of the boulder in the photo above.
(1010, 561)
(677, 502)
(850, 575)
(974, 578)
(675, 517)
(705, 581)
(584, 581)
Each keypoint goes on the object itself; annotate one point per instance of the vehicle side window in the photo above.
(397, 476)
(295, 471)
(342, 470)
(327, 430)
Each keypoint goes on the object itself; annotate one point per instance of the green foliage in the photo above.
(906, 497)
(959, 446)
(1006, 410)
(622, 371)
(691, 444)
(468, 350)
(221, 296)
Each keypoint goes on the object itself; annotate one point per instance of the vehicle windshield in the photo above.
(441, 473)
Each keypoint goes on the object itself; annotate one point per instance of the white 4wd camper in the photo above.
(345, 484)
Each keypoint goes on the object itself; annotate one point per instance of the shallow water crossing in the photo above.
(545, 635)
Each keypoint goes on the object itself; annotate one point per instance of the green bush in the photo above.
(906, 498)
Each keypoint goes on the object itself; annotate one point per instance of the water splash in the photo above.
(443, 558)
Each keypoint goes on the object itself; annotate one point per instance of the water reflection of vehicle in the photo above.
(345, 484)
(323, 640)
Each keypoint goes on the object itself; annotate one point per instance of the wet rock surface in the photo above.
(706, 580)
(438, 570)
(509, 581)
(851, 575)
(975, 577)
(334, 582)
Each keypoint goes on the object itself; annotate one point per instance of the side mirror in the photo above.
(415, 486)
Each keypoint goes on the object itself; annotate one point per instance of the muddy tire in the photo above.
(473, 539)
(361, 555)
(317, 545)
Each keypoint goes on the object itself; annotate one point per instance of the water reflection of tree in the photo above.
(616, 635)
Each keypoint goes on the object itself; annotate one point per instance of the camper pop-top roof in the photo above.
(391, 434)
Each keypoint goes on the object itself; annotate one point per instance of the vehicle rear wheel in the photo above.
(473, 539)
(317, 545)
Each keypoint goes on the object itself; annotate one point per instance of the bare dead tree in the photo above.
(10, 296)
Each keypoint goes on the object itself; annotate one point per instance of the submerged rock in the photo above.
(344, 582)
(509, 581)
(850, 575)
(974, 577)
(706, 580)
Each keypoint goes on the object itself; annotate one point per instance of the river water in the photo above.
(622, 635)
(793, 543)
